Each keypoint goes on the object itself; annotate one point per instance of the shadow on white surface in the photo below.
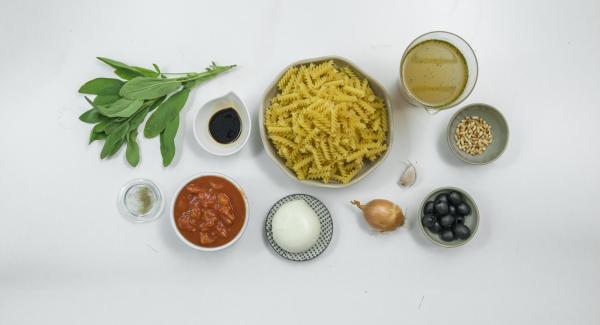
(255, 143)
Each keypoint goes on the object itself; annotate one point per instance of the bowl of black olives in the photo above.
(449, 217)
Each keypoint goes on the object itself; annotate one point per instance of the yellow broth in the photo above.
(435, 72)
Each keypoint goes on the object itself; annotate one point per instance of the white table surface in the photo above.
(68, 257)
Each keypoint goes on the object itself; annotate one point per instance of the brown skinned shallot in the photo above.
(382, 215)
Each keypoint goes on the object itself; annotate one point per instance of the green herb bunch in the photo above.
(121, 106)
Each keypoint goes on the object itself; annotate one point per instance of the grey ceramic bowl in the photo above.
(471, 220)
(499, 133)
(339, 61)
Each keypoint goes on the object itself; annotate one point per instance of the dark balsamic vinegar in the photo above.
(225, 126)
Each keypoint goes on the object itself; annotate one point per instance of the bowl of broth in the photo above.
(438, 71)
(209, 212)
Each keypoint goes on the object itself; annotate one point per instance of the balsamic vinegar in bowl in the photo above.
(222, 126)
(225, 126)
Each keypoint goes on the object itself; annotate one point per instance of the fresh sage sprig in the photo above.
(121, 106)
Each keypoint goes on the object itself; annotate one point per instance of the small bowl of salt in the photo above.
(140, 201)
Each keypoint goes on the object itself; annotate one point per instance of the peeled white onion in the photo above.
(296, 227)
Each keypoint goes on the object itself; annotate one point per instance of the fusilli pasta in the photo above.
(325, 122)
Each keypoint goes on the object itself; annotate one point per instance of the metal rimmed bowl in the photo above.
(471, 220)
(172, 212)
(339, 61)
(500, 133)
(324, 219)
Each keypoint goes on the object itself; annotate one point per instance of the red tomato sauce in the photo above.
(209, 211)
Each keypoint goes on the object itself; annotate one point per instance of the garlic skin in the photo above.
(409, 176)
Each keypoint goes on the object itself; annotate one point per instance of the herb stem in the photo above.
(196, 74)
(174, 72)
(212, 72)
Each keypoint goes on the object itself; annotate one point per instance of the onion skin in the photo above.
(382, 215)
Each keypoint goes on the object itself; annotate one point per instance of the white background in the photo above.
(68, 257)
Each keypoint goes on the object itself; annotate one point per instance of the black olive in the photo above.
(447, 235)
(428, 209)
(461, 231)
(442, 197)
(436, 228)
(447, 221)
(428, 220)
(463, 209)
(455, 198)
(452, 209)
(441, 208)
(460, 219)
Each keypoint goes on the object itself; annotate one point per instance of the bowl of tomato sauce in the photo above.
(209, 211)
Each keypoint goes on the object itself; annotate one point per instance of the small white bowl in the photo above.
(174, 224)
(200, 125)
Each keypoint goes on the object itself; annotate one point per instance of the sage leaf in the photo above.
(114, 141)
(148, 88)
(127, 74)
(157, 102)
(167, 141)
(133, 149)
(100, 127)
(97, 136)
(146, 72)
(156, 68)
(121, 108)
(117, 146)
(102, 86)
(114, 63)
(105, 99)
(92, 116)
(165, 113)
(120, 65)
(139, 117)
(98, 132)
(198, 80)
(112, 127)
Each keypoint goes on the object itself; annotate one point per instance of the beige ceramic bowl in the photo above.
(272, 92)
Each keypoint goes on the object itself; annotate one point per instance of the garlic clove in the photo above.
(409, 176)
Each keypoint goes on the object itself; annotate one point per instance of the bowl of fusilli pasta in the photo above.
(325, 122)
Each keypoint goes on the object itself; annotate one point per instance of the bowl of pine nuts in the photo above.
(478, 134)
